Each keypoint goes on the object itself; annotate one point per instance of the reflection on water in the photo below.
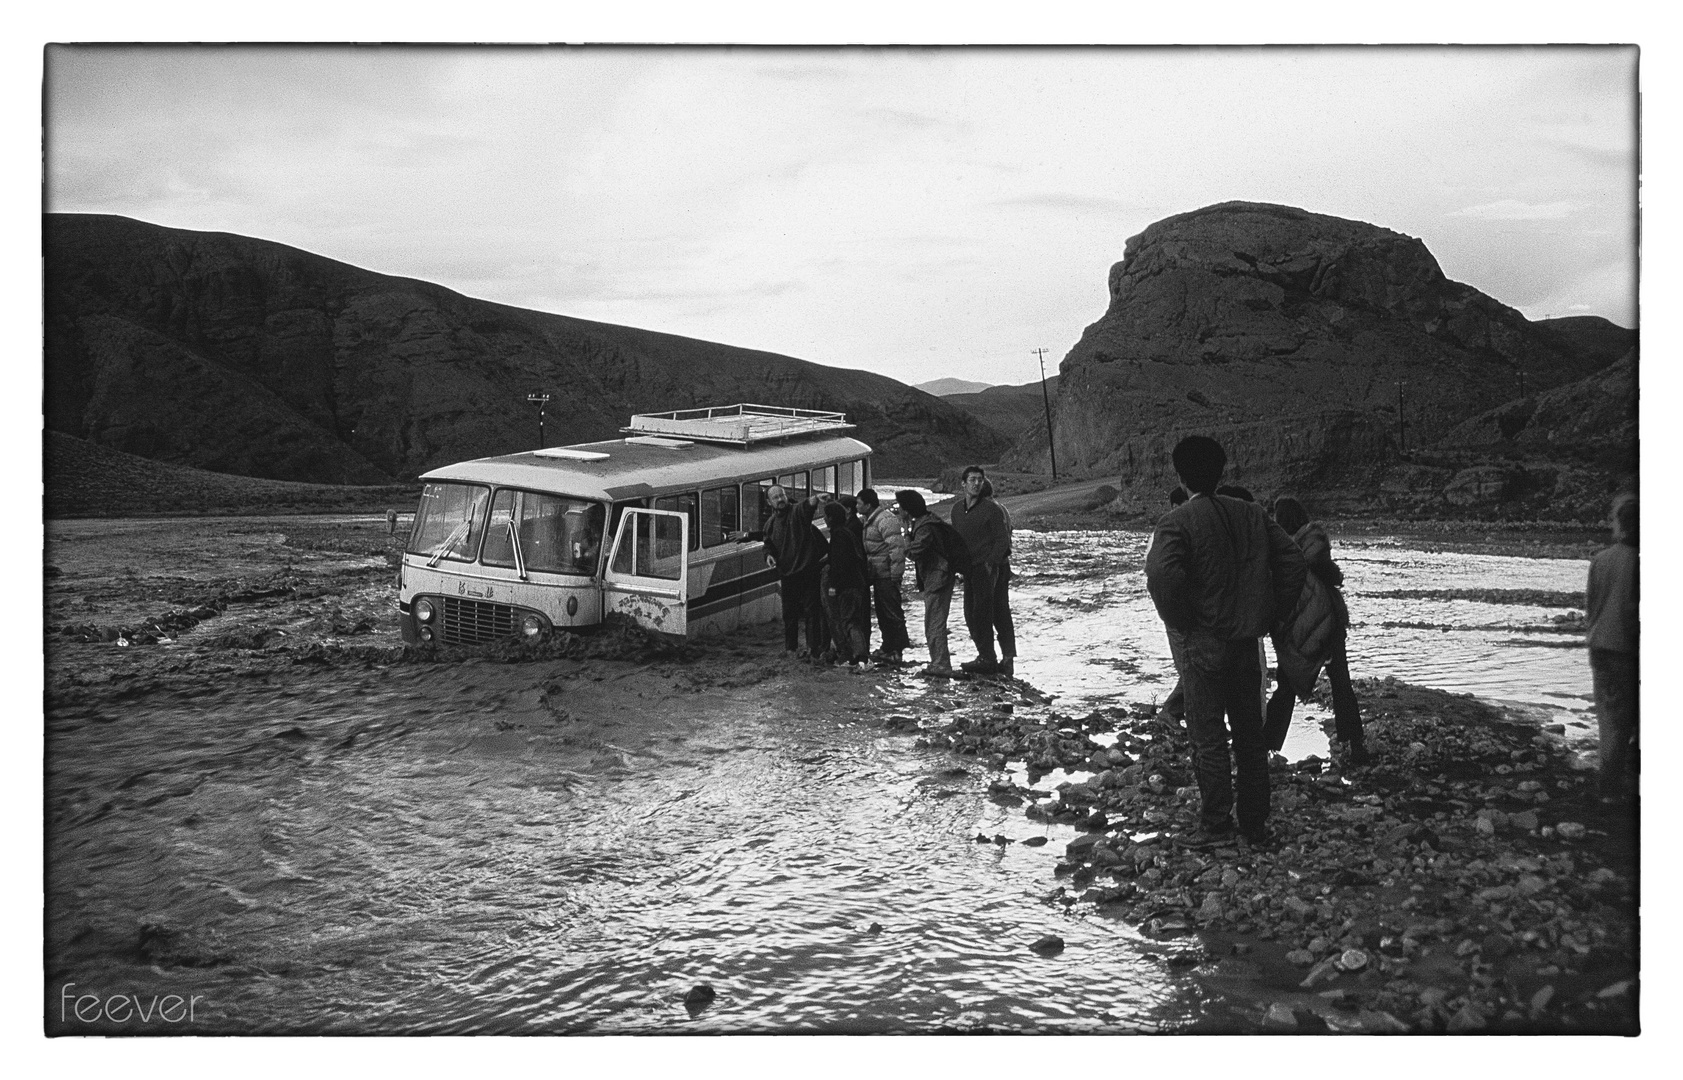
(1091, 634)
(414, 849)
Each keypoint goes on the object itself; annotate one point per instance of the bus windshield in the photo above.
(450, 521)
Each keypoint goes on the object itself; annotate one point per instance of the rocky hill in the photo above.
(1286, 334)
(243, 356)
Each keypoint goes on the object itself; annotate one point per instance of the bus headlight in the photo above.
(423, 611)
(426, 633)
(531, 626)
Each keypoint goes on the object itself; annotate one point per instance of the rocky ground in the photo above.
(1468, 881)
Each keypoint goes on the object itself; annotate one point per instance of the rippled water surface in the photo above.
(422, 848)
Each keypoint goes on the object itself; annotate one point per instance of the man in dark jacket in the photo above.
(796, 547)
(1611, 614)
(932, 564)
(1219, 570)
(987, 535)
(846, 585)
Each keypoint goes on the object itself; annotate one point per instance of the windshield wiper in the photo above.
(456, 536)
(519, 556)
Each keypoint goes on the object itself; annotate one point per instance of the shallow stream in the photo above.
(419, 848)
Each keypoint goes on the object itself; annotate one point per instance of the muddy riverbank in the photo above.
(257, 794)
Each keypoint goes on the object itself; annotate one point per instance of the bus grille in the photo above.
(469, 622)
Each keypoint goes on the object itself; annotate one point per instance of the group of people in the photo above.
(831, 585)
(1224, 573)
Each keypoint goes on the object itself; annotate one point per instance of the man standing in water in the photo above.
(987, 536)
(885, 548)
(1219, 570)
(796, 547)
(937, 556)
(1611, 615)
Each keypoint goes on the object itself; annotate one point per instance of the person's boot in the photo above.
(982, 665)
(1359, 756)
(1008, 666)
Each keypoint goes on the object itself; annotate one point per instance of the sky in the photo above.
(919, 213)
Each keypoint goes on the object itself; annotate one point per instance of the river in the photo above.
(418, 848)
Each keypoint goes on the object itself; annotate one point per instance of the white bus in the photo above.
(517, 545)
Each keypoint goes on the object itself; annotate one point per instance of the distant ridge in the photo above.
(944, 387)
(247, 357)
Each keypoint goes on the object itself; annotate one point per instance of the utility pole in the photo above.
(541, 399)
(1046, 397)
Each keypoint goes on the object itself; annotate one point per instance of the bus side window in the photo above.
(762, 511)
(684, 504)
(824, 480)
(852, 477)
(718, 514)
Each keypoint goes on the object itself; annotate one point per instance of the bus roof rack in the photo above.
(739, 425)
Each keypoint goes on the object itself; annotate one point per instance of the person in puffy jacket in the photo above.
(885, 550)
(1312, 635)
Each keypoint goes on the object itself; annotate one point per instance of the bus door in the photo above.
(647, 578)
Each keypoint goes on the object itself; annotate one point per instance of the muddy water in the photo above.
(1090, 633)
(567, 847)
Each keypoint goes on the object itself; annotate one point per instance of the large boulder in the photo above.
(1297, 335)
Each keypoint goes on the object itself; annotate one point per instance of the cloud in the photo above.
(1514, 210)
(1079, 203)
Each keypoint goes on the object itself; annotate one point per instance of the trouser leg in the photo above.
(788, 591)
(1175, 703)
(1278, 717)
(978, 610)
(1002, 623)
(891, 616)
(1616, 686)
(1244, 719)
(1346, 711)
(1204, 680)
(936, 605)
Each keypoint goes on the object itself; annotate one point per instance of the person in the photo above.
(796, 547)
(1218, 571)
(987, 606)
(1174, 706)
(391, 521)
(1313, 634)
(1611, 618)
(1002, 610)
(845, 582)
(937, 555)
(885, 550)
(1237, 492)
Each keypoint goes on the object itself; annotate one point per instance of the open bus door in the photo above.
(647, 578)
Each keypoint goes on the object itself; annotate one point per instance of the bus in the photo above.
(521, 545)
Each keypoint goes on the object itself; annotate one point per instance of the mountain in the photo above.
(243, 356)
(948, 387)
(1009, 410)
(1295, 338)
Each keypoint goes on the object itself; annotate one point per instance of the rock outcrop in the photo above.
(1287, 334)
(243, 356)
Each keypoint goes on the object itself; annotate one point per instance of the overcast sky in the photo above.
(918, 213)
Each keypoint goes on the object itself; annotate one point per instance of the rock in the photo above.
(1211, 908)
(1323, 972)
(1541, 998)
(1525, 820)
(875, 928)
(1208, 301)
(1301, 957)
(1353, 960)
(1049, 945)
(1569, 830)
(699, 997)
(1466, 1019)
(1280, 1017)
(1035, 841)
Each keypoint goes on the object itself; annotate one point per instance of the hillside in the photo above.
(247, 357)
(83, 479)
(1009, 410)
(1286, 335)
